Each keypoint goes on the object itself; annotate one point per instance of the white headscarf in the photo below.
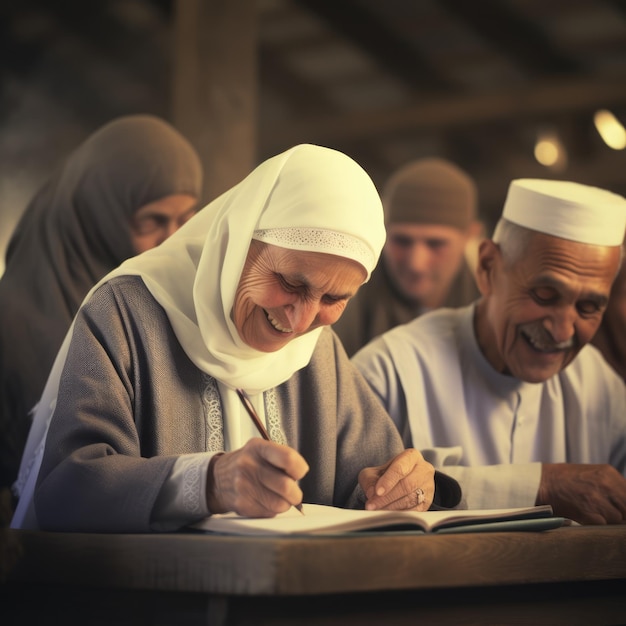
(307, 198)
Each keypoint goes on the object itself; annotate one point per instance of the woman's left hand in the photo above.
(405, 482)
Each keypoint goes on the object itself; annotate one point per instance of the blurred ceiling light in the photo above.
(549, 151)
(610, 129)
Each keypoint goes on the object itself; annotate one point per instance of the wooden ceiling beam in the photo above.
(301, 95)
(374, 37)
(508, 32)
(550, 98)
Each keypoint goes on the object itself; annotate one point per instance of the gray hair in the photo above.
(513, 240)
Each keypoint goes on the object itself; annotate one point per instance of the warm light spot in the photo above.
(549, 151)
(546, 152)
(610, 129)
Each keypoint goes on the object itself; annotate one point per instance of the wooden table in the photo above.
(569, 576)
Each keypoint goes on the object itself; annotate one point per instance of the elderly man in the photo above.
(430, 216)
(505, 393)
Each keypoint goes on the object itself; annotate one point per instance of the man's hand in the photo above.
(258, 480)
(395, 484)
(588, 494)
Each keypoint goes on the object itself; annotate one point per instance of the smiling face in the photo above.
(541, 309)
(283, 294)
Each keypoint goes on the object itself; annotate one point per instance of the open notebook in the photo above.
(321, 519)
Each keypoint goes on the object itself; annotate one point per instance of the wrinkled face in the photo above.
(537, 314)
(154, 222)
(283, 294)
(422, 260)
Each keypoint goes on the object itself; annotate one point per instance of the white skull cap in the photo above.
(568, 210)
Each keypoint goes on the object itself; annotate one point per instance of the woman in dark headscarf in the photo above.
(124, 190)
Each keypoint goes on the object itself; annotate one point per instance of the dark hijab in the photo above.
(75, 230)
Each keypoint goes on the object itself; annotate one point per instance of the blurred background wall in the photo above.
(504, 88)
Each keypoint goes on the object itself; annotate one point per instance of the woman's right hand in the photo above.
(257, 480)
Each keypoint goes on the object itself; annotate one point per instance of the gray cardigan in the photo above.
(130, 401)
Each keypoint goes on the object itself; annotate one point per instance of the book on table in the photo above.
(323, 519)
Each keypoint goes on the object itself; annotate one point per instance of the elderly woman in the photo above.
(125, 189)
(148, 431)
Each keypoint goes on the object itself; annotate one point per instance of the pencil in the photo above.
(259, 425)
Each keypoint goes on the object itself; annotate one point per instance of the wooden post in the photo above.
(214, 101)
